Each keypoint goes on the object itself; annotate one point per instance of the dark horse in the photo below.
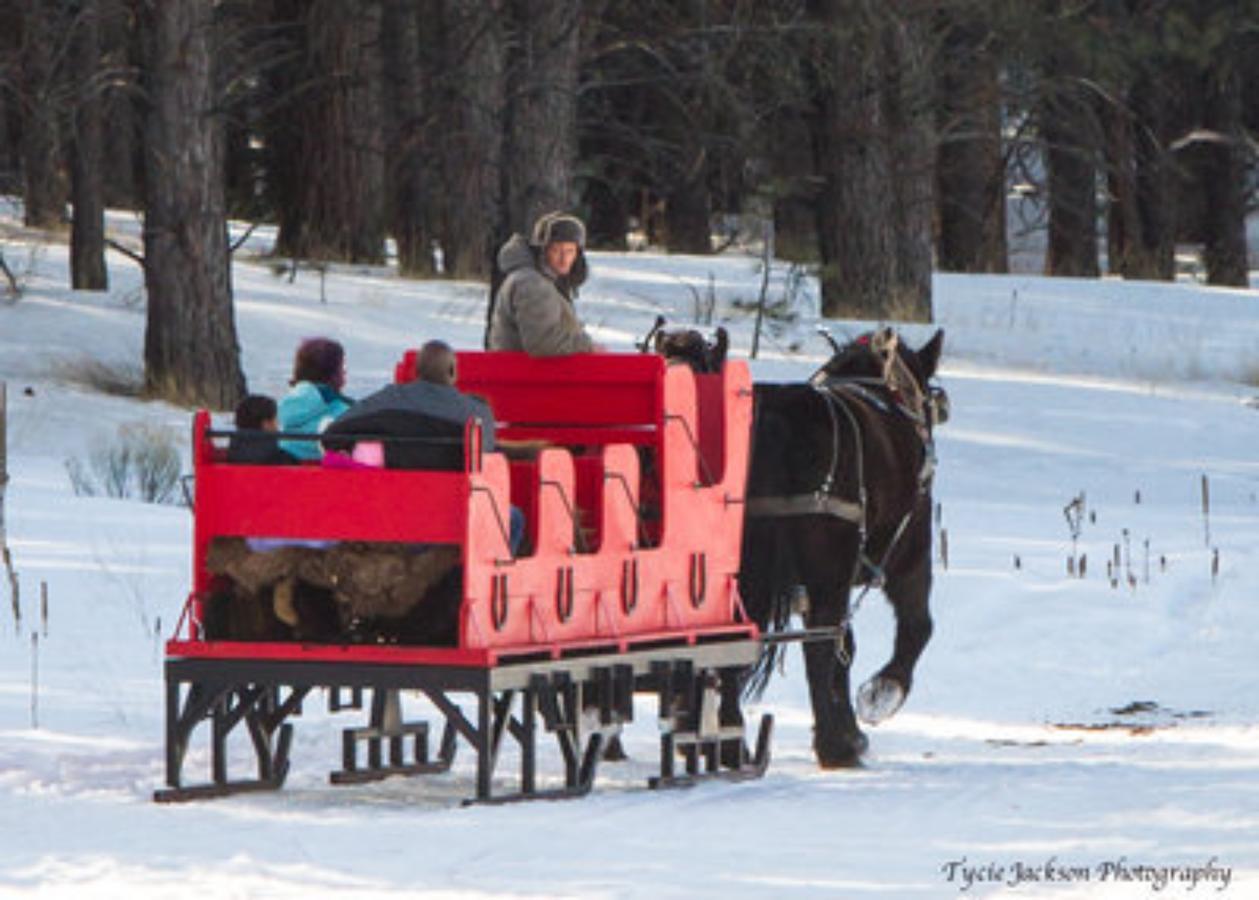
(839, 496)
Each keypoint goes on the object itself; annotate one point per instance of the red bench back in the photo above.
(588, 398)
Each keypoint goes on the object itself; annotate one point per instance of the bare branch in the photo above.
(233, 247)
(137, 258)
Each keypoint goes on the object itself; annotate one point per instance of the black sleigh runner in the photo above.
(671, 517)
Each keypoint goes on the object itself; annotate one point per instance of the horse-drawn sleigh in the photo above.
(656, 562)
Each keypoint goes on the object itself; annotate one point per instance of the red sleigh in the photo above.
(634, 520)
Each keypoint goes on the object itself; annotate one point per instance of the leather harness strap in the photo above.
(806, 504)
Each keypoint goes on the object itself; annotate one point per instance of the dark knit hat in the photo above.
(254, 410)
(558, 226)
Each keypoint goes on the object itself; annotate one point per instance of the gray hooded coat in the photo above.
(531, 312)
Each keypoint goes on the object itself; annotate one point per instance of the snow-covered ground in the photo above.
(1066, 737)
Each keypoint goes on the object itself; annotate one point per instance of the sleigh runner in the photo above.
(634, 512)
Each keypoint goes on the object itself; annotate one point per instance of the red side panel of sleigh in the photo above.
(634, 510)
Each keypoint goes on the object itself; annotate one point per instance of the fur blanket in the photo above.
(366, 580)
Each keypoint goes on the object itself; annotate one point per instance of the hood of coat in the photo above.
(518, 254)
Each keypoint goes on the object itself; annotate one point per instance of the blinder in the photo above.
(937, 405)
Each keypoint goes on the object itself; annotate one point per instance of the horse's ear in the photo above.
(721, 346)
(929, 354)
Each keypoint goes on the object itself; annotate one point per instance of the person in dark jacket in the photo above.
(254, 442)
(429, 415)
(533, 306)
(430, 408)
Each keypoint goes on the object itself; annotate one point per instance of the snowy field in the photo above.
(1067, 737)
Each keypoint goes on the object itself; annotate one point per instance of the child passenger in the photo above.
(254, 442)
(315, 399)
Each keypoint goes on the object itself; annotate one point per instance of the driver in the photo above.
(533, 307)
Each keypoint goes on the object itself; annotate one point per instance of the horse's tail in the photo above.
(757, 678)
(769, 585)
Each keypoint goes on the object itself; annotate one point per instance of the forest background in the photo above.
(868, 142)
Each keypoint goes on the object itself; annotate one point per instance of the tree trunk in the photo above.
(1152, 254)
(191, 353)
(122, 146)
(8, 152)
(1071, 139)
(1140, 234)
(87, 232)
(970, 167)
(1072, 248)
(911, 151)
(44, 192)
(541, 111)
(1123, 224)
(795, 221)
(856, 240)
(608, 220)
(409, 203)
(688, 212)
(333, 204)
(472, 145)
(1221, 172)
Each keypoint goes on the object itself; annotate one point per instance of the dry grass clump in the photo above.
(118, 379)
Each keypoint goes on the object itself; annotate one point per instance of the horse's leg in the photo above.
(908, 592)
(837, 739)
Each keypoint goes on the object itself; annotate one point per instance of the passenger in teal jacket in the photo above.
(315, 399)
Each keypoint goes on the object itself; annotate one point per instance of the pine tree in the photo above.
(191, 353)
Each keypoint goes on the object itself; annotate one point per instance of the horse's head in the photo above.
(882, 356)
(691, 347)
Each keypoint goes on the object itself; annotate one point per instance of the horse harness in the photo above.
(840, 393)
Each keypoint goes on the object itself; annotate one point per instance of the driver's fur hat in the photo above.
(558, 226)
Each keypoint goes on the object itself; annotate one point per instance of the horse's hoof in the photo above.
(879, 699)
(848, 760)
(843, 754)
